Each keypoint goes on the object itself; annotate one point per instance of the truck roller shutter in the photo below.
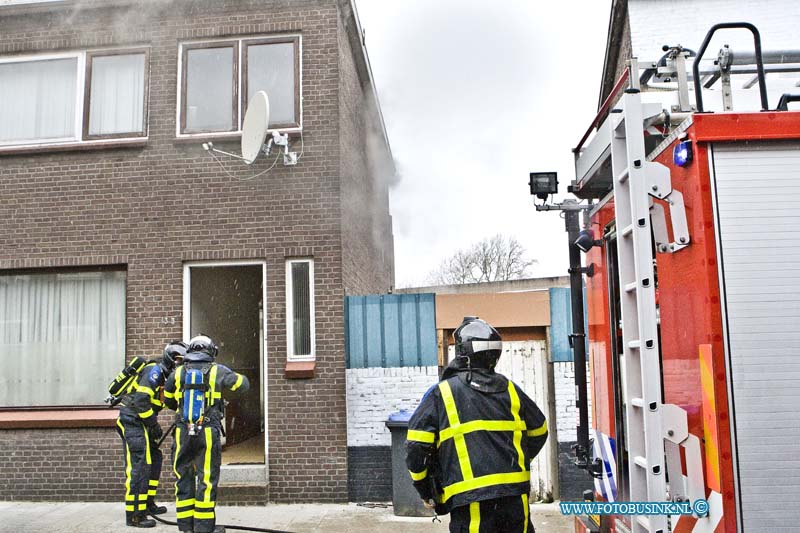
(757, 190)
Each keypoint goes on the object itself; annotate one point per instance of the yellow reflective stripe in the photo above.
(130, 498)
(151, 492)
(178, 503)
(538, 432)
(484, 481)
(128, 465)
(207, 515)
(185, 514)
(204, 505)
(142, 498)
(207, 466)
(418, 476)
(146, 414)
(146, 390)
(184, 503)
(526, 510)
(168, 394)
(211, 394)
(452, 417)
(474, 517)
(512, 392)
(153, 483)
(178, 391)
(238, 382)
(142, 506)
(130, 508)
(148, 459)
(421, 436)
(482, 425)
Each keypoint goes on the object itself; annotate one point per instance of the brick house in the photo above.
(119, 232)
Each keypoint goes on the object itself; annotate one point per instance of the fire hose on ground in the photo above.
(226, 526)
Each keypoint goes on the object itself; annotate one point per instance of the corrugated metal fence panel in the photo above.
(561, 324)
(757, 187)
(390, 330)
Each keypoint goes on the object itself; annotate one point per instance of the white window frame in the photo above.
(23, 2)
(80, 94)
(241, 41)
(80, 78)
(290, 356)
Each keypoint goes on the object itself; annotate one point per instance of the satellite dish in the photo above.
(254, 127)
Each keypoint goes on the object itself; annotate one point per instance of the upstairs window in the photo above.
(74, 97)
(116, 96)
(210, 88)
(218, 79)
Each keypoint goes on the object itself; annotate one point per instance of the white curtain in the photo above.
(37, 100)
(117, 94)
(62, 337)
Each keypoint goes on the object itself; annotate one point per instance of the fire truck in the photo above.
(688, 221)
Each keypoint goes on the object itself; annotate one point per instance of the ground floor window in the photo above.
(300, 343)
(62, 336)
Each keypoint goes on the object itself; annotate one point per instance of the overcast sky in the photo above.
(475, 95)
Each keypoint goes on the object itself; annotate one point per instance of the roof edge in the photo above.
(355, 34)
(616, 22)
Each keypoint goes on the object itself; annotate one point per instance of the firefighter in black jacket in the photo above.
(197, 450)
(472, 438)
(138, 426)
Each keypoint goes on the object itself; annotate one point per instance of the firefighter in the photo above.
(138, 426)
(472, 438)
(197, 450)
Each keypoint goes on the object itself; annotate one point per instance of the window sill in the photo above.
(58, 418)
(189, 138)
(299, 369)
(138, 142)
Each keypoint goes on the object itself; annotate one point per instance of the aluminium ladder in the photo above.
(641, 374)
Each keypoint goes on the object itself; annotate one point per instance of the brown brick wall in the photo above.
(85, 465)
(154, 207)
(62, 465)
(366, 171)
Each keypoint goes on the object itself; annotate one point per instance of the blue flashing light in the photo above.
(682, 153)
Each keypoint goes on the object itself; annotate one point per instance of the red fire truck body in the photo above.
(693, 299)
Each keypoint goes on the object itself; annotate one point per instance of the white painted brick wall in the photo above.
(375, 393)
(566, 413)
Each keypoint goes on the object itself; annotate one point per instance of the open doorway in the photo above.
(226, 302)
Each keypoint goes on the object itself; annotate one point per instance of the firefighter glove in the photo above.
(154, 431)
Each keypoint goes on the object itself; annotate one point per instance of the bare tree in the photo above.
(494, 259)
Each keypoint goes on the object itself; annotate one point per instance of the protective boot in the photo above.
(140, 520)
(153, 509)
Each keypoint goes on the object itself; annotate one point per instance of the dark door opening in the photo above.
(226, 303)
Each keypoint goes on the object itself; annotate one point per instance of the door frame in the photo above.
(187, 322)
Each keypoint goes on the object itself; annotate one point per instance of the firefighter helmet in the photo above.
(174, 352)
(203, 344)
(479, 342)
